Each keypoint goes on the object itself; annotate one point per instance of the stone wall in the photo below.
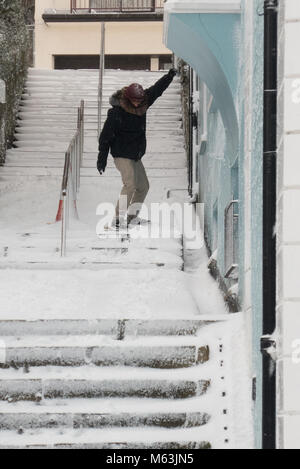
(14, 60)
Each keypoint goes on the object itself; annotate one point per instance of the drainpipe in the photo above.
(269, 223)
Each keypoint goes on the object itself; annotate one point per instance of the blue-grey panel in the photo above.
(208, 43)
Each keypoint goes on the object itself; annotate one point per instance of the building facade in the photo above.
(288, 226)
(68, 34)
(225, 44)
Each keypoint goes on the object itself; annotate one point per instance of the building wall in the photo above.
(221, 181)
(254, 187)
(288, 226)
(145, 38)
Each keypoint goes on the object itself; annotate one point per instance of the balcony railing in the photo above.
(119, 6)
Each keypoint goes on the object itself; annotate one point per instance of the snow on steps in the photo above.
(85, 249)
(102, 412)
(73, 371)
(116, 328)
(167, 352)
(51, 99)
(85, 257)
(121, 438)
(89, 162)
(92, 381)
(90, 405)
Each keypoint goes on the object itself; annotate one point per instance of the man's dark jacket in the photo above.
(124, 133)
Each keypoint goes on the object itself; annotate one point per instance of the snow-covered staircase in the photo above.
(76, 378)
(47, 122)
(111, 384)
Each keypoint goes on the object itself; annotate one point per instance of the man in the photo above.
(124, 135)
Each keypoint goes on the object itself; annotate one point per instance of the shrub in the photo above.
(14, 52)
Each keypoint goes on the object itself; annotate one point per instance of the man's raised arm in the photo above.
(160, 86)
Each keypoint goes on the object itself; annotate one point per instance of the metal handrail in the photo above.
(101, 76)
(231, 262)
(71, 176)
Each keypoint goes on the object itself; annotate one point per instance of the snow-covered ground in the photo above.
(28, 208)
(106, 278)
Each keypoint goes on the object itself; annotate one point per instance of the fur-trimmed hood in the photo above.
(119, 99)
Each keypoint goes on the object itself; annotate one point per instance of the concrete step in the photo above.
(73, 103)
(91, 142)
(37, 384)
(86, 86)
(90, 72)
(50, 113)
(48, 251)
(84, 264)
(136, 247)
(134, 438)
(89, 161)
(88, 171)
(102, 413)
(159, 124)
(51, 260)
(87, 238)
(90, 127)
(156, 157)
(92, 83)
(152, 119)
(19, 162)
(164, 102)
(167, 352)
(167, 144)
(116, 328)
(87, 94)
(69, 133)
(35, 119)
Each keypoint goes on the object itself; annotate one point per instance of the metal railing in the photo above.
(231, 240)
(125, 6)
(71, 178)
(101, 76)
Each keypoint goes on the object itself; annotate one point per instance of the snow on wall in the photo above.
(220, 183)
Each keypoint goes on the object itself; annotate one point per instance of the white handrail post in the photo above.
(101, 75)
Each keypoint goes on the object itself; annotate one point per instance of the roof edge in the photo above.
(203, 6)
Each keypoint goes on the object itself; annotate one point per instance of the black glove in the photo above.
(101, 165)
(173, 72)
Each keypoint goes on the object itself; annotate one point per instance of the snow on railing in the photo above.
(71, 179)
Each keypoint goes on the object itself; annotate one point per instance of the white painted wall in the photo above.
(288, 226)
(51, 39)
(248, 117)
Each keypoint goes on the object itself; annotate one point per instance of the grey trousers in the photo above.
(135, 186)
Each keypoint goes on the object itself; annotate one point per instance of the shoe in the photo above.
(116, 224)
(138, 221)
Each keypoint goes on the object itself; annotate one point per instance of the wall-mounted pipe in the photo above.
(269, 219)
